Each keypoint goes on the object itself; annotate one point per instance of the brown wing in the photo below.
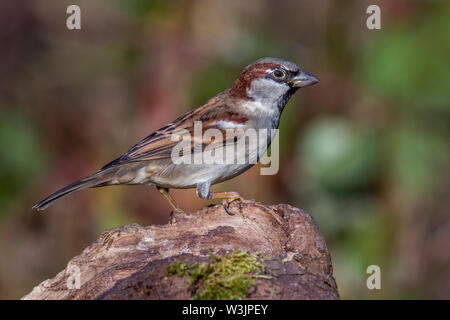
(159, 144)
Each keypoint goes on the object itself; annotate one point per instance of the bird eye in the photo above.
(279, 74)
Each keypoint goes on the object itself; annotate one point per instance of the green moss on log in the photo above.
(227, 276)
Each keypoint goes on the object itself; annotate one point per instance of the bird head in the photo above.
(270, 80)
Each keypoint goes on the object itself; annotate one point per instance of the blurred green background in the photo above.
(365, 152)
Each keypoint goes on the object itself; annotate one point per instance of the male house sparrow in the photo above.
(254, 101)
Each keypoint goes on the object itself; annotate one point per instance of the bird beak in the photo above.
(303, 79)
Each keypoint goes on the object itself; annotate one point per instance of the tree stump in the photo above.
(260, 252)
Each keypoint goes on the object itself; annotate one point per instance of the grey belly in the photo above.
(189, 175)
(165, 173)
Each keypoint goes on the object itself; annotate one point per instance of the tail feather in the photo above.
(95, 180)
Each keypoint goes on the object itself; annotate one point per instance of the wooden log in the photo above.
(260, 252)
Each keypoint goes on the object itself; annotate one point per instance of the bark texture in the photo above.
(132, 262)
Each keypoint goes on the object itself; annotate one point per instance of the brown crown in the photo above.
(244, 81)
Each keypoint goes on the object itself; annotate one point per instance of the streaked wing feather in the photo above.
(159, 144)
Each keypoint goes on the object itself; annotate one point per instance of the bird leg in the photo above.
(228, 198)
(176, 210)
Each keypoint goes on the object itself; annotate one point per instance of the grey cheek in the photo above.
(267, 90)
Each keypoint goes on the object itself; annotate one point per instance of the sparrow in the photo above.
(254, 101)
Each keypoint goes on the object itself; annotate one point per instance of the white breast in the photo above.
(257, 107)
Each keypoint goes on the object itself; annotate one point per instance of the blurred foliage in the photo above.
(366, 151)
(338, 156)
(21, 156)
(412, 65)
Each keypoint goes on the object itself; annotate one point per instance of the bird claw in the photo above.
(226, 203)
(227, 210)
(172, 218)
